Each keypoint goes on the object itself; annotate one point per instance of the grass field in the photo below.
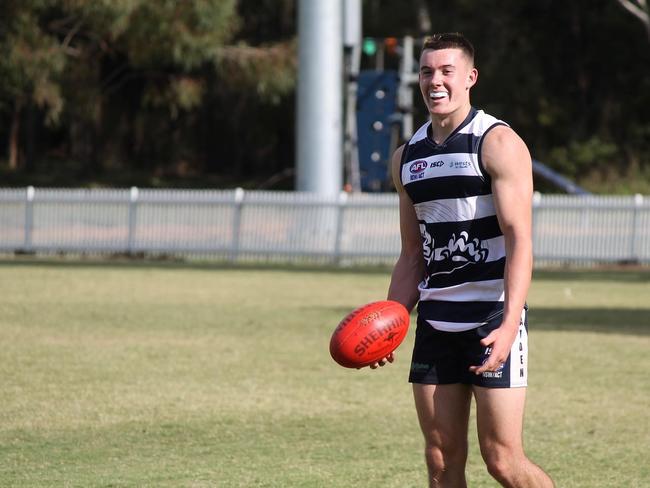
(182, 376)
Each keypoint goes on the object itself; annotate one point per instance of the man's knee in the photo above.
(450, 456)
(503, 464)
(499, 468)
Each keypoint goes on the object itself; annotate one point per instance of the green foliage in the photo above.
(31, 61)
(129, 79)
(269, 71)
(171, 33)
(582, 157)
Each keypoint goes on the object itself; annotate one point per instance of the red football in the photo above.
(369, 333)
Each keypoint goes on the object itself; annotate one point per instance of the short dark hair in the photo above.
(450, 40)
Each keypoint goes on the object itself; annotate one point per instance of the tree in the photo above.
(202, 91)
(640, 9)
(141, 65)
(128, 80)
(31, 63)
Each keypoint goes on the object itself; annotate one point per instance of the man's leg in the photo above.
(500, 418)
(443, 412)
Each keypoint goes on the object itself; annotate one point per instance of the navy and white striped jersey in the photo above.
(462, 242)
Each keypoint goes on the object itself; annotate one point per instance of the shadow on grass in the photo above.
(620, 274)
(174, 262)
(604, 320)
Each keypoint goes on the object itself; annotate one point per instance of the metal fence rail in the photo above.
(287, 226)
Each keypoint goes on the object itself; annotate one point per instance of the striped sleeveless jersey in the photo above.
(462, 243)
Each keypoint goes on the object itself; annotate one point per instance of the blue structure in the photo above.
(376, 121)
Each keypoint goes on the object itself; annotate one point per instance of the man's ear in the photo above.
(472, 77)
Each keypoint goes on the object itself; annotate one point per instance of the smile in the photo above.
(437, 95)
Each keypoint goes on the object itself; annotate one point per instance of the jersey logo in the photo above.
(459, 164)
(418, 167)
(460, 251)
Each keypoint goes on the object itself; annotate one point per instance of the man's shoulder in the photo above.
(486, 122)
(501, 134)
(502, 148)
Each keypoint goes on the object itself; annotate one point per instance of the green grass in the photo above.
(183, 376)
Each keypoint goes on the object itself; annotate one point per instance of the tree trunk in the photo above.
(14, 137)
(29, 137)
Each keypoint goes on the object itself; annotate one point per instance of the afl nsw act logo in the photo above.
(418, 167)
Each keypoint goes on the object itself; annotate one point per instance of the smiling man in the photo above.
(465, 191)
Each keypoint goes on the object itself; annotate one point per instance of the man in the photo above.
(465, 189)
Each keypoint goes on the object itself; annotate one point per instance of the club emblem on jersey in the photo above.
(460, 251)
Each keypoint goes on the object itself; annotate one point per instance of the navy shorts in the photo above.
(442, 358)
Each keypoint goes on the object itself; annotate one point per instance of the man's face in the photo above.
(446, 75)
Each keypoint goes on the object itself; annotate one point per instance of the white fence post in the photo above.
(341, 204)
(636, 222)
(29, 218)
(236, 223)
(133, 220)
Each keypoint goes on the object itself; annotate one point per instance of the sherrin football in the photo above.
(369, 333)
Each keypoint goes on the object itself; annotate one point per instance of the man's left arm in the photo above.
(506, 159)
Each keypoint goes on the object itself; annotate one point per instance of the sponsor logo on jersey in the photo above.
(418, 167)
(459, 164)
(492, 374)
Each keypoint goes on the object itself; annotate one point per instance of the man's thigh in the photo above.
(500, 416)
(443, 412)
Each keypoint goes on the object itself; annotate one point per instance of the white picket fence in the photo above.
(240, 225)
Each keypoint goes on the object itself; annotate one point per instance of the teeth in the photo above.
(437, 94)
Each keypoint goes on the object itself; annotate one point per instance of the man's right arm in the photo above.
(409, 268)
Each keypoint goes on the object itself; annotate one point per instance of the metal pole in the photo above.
(352, 49)
(352, 23)
(319, 134)
(405, 92)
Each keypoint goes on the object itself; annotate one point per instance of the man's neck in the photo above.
(443, 126)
